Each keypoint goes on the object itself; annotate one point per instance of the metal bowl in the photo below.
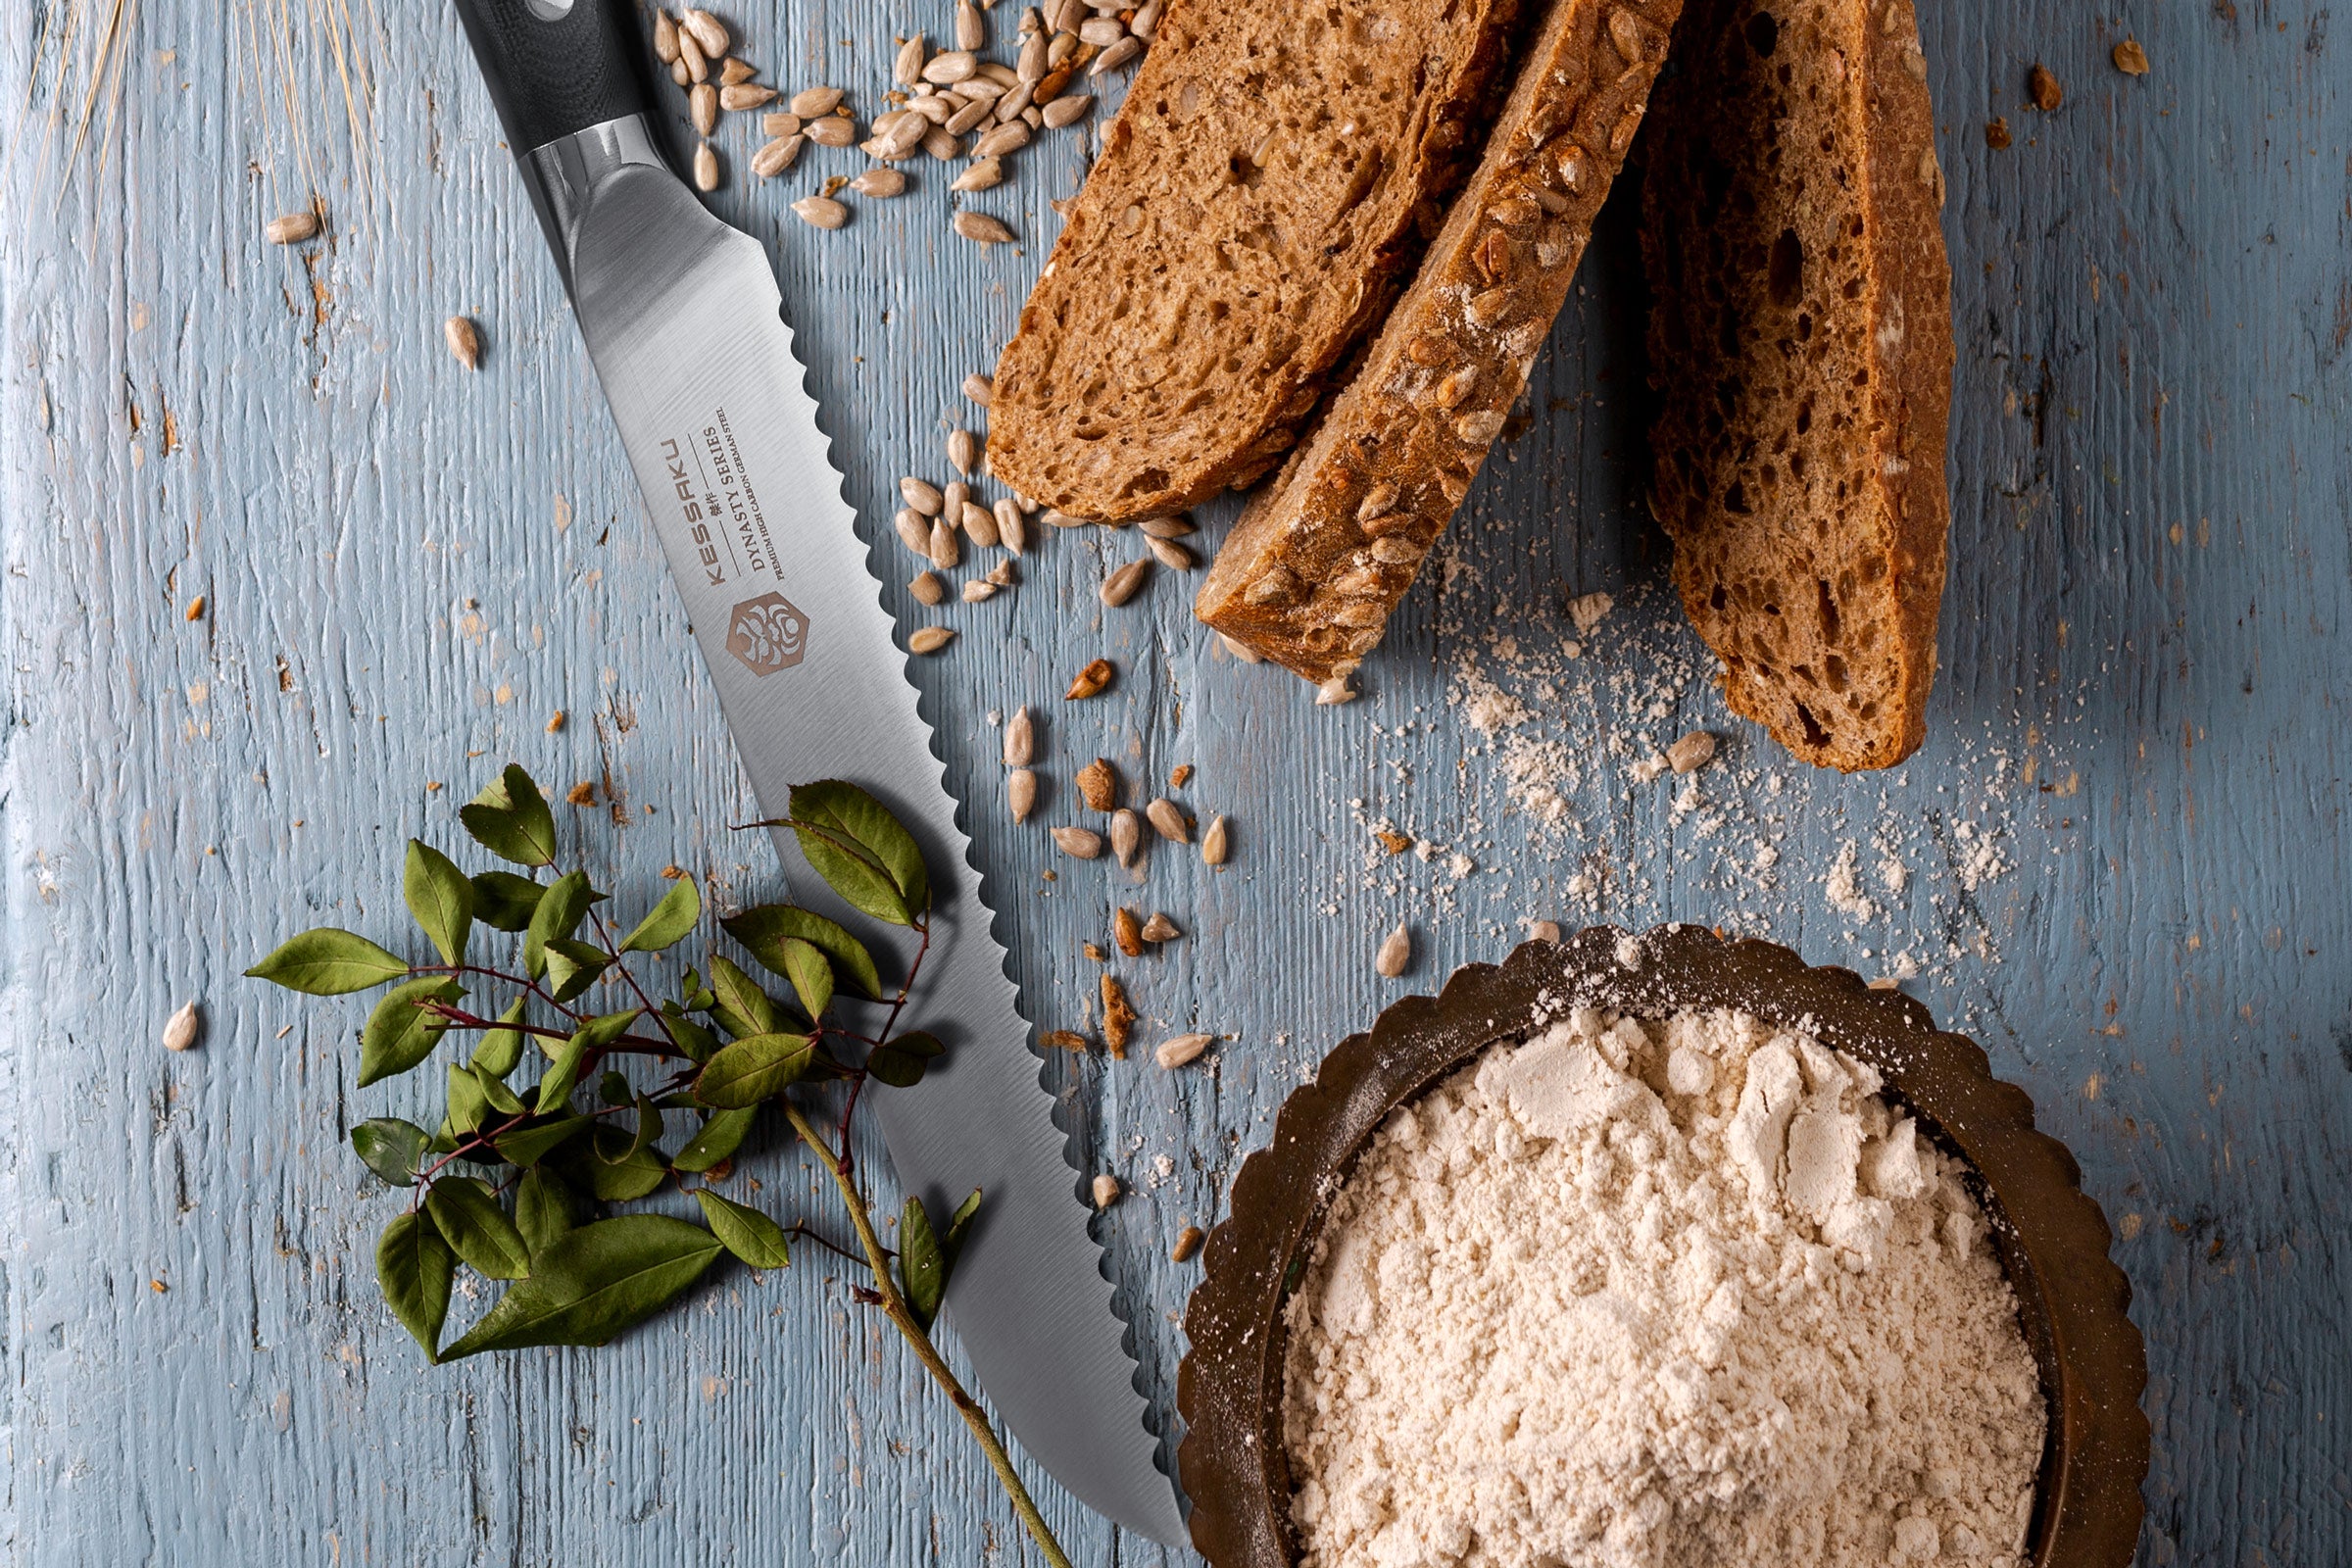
(2051, 1238)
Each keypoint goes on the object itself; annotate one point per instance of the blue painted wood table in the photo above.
(2121, 860)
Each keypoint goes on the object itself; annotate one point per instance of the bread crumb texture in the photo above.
(1272, 173)
(1632, 1292)
(1802, 344)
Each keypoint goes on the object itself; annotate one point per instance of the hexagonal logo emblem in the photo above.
(768, 634)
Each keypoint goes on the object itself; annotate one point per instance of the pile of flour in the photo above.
(1671, 1293)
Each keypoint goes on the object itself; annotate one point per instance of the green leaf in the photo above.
(399, 1033)
(572, 966)
(922, 1268)
(951, 1246)
(696, 1041)
(753, 1070)
(414, 1264)
(510, 819)
(560, 910)
(740, 1006)
(503, 900)
(530, 1144)
(862, 881)
(747, 1233)
(901, 1062)
(649, 1131)
(468, 1212)
(543, 1209)
(595, 1282)
(850, 812)
(501, 1049)
(623, 1170)
(391, 1148)
(718, 1139)
(494, 1090)
(763, 931)
(439, 898)
(468, 1105)
(669, 920)
(328, 962)
(811, 973)
(598, 1032)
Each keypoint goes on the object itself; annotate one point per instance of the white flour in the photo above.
(1685, 1294)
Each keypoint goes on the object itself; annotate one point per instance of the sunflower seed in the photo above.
(1691, 753)
(922, 496)
(1091, 679)
(1177, 527)
(1334, 692)
(1187, 1244)
(1079, 842)
(180, 1030)
(979, 591)
(1020, 793)
(927, 589)
(970, 115)
(1008, 138)
(1014, 103)
(1543, 930)
(708, 30)
(679, 73)
(1061, 111)
(690, 56)
(946, 548)
(1117, 54)
(981, 228)
(913, 532)
(1032, 62)
(1118, 1017)
(295, 227)
(908, 69)
(777, 156)
(1169, 820)
(946, 70)
(1003, 574)
(981, 389)
(1242, 652)
(964, 448)
(1147, 21)
(1020, 739)
(705, 176)
(1102, 32)
(930, 639)
(733, 72)
(811, 101)
(821, 211)
(1160, 928)
(1107, 1190)
(980, 524)
(985, 174)
(1122, 584)
(832, 131)
(879, 184)
(665, 38)
(1213, 843)
(1178, 1050)
(945, 146)
(702, 107)
(1013, 529)
(1172, 554)
(1126, 835)
(970, 31)
(744, 95)
(1127, 932)
(1099, 785)
(1395, 952)
(954, 500)
(1063, 519)
(464, 341)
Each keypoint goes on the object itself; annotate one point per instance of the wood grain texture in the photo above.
(408, 568)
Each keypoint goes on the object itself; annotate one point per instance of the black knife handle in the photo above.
(556, 67)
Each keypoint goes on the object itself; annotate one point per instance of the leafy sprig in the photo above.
(524, 1182)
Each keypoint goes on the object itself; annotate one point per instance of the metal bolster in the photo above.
(563, 176)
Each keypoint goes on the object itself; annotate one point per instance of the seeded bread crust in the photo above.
(1801, 340)
(1274, 172)
(1316, 562)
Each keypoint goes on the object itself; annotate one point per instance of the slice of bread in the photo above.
(1274, 170)
(1801, 341)
(1316, 562)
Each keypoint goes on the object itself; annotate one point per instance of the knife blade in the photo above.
(683, 321)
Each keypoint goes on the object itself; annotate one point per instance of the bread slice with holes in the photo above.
(1317, 561)
(1801, 345)
(1273, 173)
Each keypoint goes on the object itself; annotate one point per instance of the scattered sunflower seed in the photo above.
(811, 101)
(778, 154)
(702, 107)
(707, 30)
(744, 95)
(1187, 1244)
(1127, 932)
(963, 450)
(927, 589)
(913, 532)
(1010, 136)
(1062, 111)
(783, 122)
(1107, 1190)
(830, 131)
(1118, 1017)
(1168, 821)
(1020, 793)
(1334, 692)
(979, 591)
(180, 1030)
(464, 341)
(820, 212)
(1020, 739)
(1176, 526)
(970, 115)
(1012, 528)
(946, 548)
(1099, 785)
(908, 69)
(953, 500)
(981, 389)
(1160, 928)
(1126, 835)
(666, 37)
(981, 228)
(1117, 54)
(1004, 520)
(1079, 842)
(930, 639)
(1102, 32)
(705, 176)
(1147, 21)
(1063, 519)
(949, 67)
(1003, 574)
(733, 72)
(985, 173)
(1093, 678)
(1691, 753)
(921, 495)
(1171, 555)
(1394, 953)
(945, 146)
(970, 33)
(1122, 584)
(1178, 1050)
(980, 523)
(691, 58)
(1213, 843)
(292, 228)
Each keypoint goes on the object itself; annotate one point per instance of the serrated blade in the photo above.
(684, 324)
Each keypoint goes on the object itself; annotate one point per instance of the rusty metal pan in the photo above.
(2051, 1236)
